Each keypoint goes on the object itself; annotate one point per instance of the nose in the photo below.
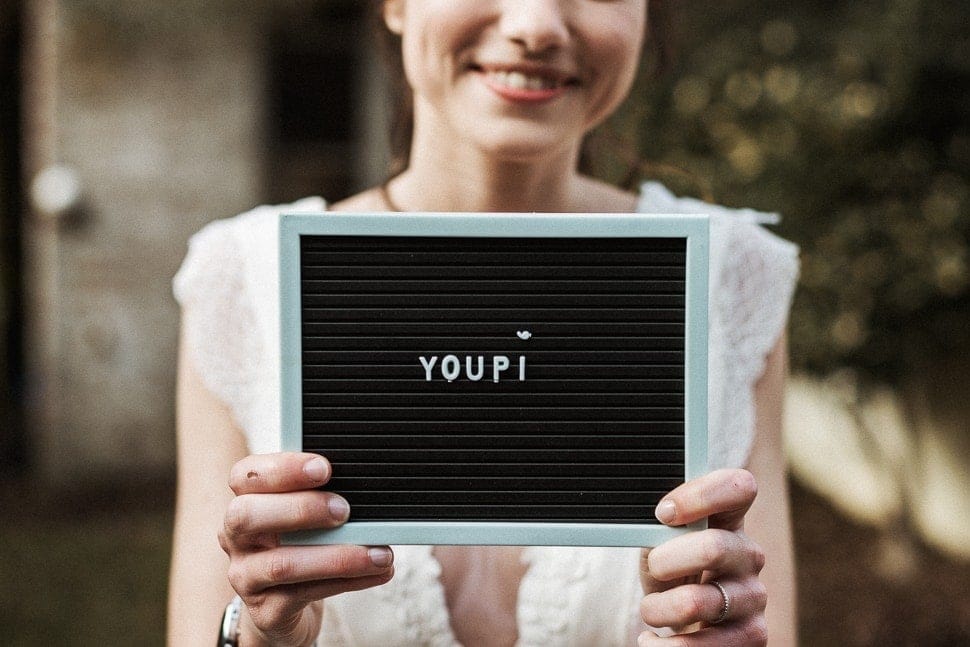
(536, 25)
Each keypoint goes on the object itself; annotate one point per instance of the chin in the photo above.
(526, 144)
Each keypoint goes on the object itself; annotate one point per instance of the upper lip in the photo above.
(561, 77)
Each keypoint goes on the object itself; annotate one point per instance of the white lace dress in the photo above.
(578, 597)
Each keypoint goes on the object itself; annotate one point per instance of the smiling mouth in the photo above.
(523, 81)
(525, 84)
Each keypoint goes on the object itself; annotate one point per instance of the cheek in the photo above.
(623, 40)
(436, 37)
(617, 52)
(625, 49)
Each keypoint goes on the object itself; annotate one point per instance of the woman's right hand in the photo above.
(282, 586)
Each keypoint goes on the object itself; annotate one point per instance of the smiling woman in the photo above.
(499, 86)
(656, 49)
(503, 94)
(506, 74)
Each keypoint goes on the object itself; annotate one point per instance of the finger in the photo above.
(693, 603)
(312, 591)
(286, 472)
(719, 551)
(258, 572)
(276, 608)
(752, 632)
(722, 497)
(253, 514)
(648, 582)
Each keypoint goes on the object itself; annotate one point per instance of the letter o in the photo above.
(450, 367)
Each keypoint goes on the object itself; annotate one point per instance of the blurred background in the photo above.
(125, 126)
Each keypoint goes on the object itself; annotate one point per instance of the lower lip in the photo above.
(522, 95)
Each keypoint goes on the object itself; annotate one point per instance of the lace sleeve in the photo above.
(758, 280)
(217, 317)
(753, 274)
(228, 287)
(751, 295)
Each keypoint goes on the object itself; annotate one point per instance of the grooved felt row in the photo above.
(589, 426)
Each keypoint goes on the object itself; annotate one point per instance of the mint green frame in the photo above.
(694, 228)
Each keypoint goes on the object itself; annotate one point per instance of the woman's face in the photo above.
(516, 77)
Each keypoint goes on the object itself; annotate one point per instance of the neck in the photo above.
(454, 177)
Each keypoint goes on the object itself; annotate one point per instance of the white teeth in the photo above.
(521, 81)
(517, 80)
(535, 84)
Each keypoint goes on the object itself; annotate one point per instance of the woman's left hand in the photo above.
(678, 575)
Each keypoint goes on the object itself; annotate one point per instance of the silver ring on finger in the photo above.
(726, 606)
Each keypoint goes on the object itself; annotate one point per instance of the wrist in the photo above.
(249, 635)
(229, 625)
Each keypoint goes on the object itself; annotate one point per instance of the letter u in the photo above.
(475, 377)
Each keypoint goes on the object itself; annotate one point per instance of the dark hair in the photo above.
(399, 93)
(657, 43)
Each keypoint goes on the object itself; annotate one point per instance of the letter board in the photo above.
(521, 379)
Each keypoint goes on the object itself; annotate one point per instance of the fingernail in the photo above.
(666, 511)
(339, 508)
(644, 639)
(317, 470)
(381, 557)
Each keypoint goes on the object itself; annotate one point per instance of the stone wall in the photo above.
(157, 108)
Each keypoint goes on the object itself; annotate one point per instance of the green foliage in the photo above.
(851, 119)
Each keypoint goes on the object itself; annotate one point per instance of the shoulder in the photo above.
(740, 244)
(657, 198)
(369, 200)
(753, 271)
(225, 251)
(257, 222)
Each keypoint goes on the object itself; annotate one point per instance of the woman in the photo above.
(503, 93)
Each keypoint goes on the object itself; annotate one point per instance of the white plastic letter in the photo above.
(428, 365)
(499, 364)
(474, 377)
(522, 368)
(450, 367)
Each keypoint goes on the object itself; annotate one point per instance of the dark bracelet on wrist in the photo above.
(229, 627)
